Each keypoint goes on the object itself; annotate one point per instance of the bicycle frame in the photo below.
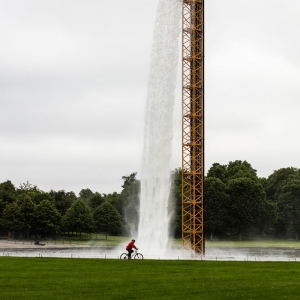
(134, 255)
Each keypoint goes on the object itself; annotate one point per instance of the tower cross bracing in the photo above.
(193, 126)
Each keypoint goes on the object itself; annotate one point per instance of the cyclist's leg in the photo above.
(129, 253)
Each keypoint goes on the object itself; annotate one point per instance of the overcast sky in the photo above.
(73, 87)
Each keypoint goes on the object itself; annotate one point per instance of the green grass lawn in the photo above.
(46, 278)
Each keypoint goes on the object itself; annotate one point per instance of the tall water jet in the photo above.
(153, 232)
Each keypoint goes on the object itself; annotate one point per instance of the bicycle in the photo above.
(134, 255)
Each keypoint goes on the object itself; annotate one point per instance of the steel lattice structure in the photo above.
(193, 126)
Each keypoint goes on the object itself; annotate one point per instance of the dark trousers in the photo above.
(129, 253)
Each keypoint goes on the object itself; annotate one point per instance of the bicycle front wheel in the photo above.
(124, 256)
(139, 256)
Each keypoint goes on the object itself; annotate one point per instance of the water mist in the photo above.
(153, 232)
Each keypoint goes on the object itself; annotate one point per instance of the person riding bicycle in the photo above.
(129, 248)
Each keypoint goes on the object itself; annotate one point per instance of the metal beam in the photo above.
(193, 126)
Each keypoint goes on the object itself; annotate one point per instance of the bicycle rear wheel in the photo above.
(139, 256)
(124, 256)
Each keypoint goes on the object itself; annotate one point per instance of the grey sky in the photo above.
(73, 85)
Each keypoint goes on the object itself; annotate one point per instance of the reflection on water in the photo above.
(91, 252)
(253, 254)
(212, 253)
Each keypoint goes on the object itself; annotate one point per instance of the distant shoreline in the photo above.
(4, 244)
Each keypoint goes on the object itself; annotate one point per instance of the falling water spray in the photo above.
(153, 232)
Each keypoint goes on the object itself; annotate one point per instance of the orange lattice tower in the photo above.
(193, 127)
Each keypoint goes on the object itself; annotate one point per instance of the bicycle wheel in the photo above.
(124, 256)
(139, 256)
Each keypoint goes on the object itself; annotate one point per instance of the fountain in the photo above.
(153, 231)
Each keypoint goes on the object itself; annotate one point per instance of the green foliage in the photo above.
(239, 169)
(289, 201)
(2, 206)
(235, 169)
(245, 202)
(216, 206)
(28, 187)
(247, 206)
(47, 217)
(217, 171)
(236, 202)
(175, 200)
(107, 219)
(130, 200)
(267, 217)
(63, 200)
(12, 218)
(85, 194)
(28, 212)
(128, 180)
(115, 200)
(7, 192)
(78, 218)
(281, 189)
(37, 196)
(277, 180)
(95, 200)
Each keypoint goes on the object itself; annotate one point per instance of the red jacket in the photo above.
(130, 246)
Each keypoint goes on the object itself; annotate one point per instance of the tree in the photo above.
(36, 195)
(63, 200)
(276, 191)
(267, 217)
(239, 169)
(96, 200)
(78, 218)
(28, 210)
(116, 200)
(12, 218)
(47, 217)
(216, 206)
(107, 219)
(277, 180)
(217, 171)
(85, 194)
(175, 202)
(7, 192)
(128, 180)
(130, 200)
(2, 206)
(28, 187)
(245, 203)
(235, 169)
(289, 202)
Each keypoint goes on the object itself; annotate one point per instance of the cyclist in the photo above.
(129, 248)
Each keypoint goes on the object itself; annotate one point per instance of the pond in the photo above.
(212, 253)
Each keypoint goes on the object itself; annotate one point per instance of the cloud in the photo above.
(73, 87)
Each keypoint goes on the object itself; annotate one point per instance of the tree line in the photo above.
(237, 203)
(27, 211)
(252, 205)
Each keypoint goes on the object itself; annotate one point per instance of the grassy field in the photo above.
(44, 278)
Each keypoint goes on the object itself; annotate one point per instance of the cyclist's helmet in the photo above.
(133, 240)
